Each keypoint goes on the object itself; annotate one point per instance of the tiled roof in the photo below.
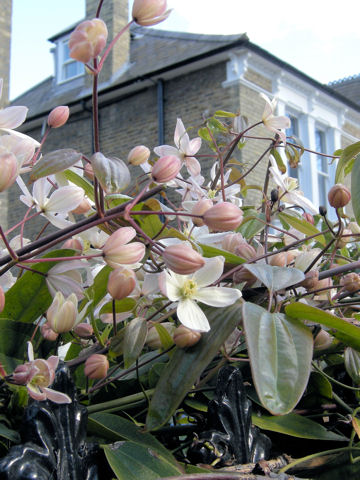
(349, 87)
(150, 50)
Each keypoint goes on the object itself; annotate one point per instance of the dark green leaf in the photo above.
(280, 351)
(13, 346)
(124, 305)
(209, 251)
(54, 162)
(250, 225)
(29, 297)
(186, 365)
(80, 182)
(11, 435)
(301, 225)
(355, 188)
(352, 364)
(134, 340)
(344, 331)
(296, 426)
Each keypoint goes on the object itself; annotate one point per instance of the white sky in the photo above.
(319, 37)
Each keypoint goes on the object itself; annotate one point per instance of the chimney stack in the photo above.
(5, 34)
(115, 14)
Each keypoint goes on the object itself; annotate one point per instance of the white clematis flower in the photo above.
(289, 192)
(185, 149)
(272, 122)
(187, 289)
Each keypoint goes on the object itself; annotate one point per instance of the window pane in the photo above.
(70, 70)
(66, 51)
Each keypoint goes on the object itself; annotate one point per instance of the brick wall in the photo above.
(5, 34)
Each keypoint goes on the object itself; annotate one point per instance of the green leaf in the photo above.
(355, 188)
(301, 225)
(113, 428)
(346, 156)
(13, 346)
(296, 426)
(275, 278)
(343, 331)
(80, 182)
(135, 462)
(29, 297)
(124, 305)
(186, 365)
(134, 340)
(98, 289)
(216, 126)
(250, 226)
(223, 113)
(54, 162)
(11, 435)
(279, 161)
(280, 351)
(165, 338)
(210, 251)
(352, 364)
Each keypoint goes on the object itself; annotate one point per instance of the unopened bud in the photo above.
(88, 40)
(243, 275)
(185, 337)
(96, 366)
(48, 333)
(149, 12)
(84, 330)
(138, 155)
(182, 259)
(245, 250)
(223, 216)
(111, 172)
(153, 338)
(345, 238)
(61, 315)
(351, 282)
(166, 169)
(309, 218)
(339, 196)
(118, 252)
(311, 280)
(231, 241)
(58, 116)
(322, 211)
(121, 283)
(282, 259)
(89, 171)
(73, 244)
(323, 340)
(325, 283)
(200, 208)
(354, 227)
(274, 195)
(2, 299)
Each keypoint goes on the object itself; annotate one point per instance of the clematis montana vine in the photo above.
(272, 122)
(188, 289)
(185, 149)
(38, 375)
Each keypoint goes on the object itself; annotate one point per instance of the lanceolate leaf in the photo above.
(54, 162)
(346, 156)
(301, 225)
(29, 297)
(209, 251)
(275, 278)
(186, 365)
(296, 426)
(135, 336)
(280, 351)
(13, 346)
(343, 330)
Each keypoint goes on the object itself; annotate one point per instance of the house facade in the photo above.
(153, 77)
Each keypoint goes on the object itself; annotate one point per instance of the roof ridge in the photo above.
(201, 37)
(345, 79)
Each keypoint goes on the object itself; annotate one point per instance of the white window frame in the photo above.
(62, 60)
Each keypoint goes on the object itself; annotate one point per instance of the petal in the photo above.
(298, 199)
(170, 286)
(218, 296)
(278, 122)
(268, 110)
(164, 150)
(194, 147)
(41, 190)
(193, 165)
(179, 132)
(53, 362)
(210, 272)
(35, 392)
(56, 397)
(12, 117)
(64, 199)
(30, 352)
(192, 316)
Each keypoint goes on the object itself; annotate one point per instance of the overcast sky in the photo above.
(319, 37)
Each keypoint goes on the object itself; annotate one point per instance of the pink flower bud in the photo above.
(231, 241)
(121, 283)
(282, 259)
(73, 244)
(149, 12)
(245, 250)
(117, 253)
(138, 155)
(339, 196)
(2, 299)
(88, 40)
(166, 169)
(96, 366)
(61, 315)
(89, 171)
(83, 207)
(243, 275)
(323, 340)
(84, 330)
(58, 116)
(309, 218)
(223, 216)
(200, 208)
(48, 333)
(9, 170)
(182, 259)
(184, 337)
